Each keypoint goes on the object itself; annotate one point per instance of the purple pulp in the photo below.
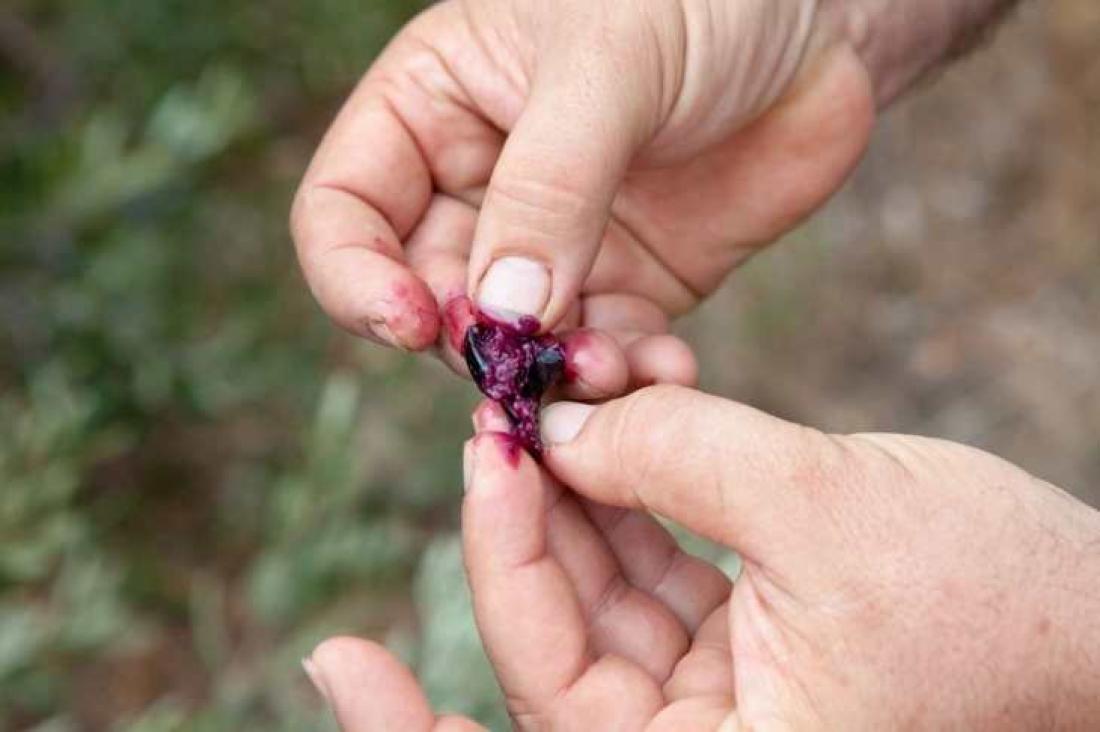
(514, 367)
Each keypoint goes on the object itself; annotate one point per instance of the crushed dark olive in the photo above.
(514, 367)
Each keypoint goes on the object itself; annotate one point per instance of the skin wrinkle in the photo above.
(881, 447)
(392, 108)
(803, 46)
(323, 184)
(611, 528)
(461, 98)
(612, 595)
(903, 43)
(616, 593)
(671, 67)
(617, 587)
(642, 60)
(634, 471)
(458, 95)
(501, 49)
(747, 602)
(682, 65)
(516, 76)
(889, 572)
(694, 295)
(341, 189)
(559, 202)
(673, 559)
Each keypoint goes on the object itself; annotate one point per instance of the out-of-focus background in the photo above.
(200, 478)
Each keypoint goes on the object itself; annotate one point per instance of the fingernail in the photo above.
(514, 287)
(562, 421)
(468, 465)
(316, 678)
(382, 331)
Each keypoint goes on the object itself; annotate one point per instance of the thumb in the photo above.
(549, 198)
(721, 469)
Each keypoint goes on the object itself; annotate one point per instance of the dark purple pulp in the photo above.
(514, 367)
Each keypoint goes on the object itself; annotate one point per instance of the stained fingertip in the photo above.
(373, 296)
(401, 322)
(501, 452)
(596, 367)
(414, 319)
(489, 416)
(458, 316)
(502, 510)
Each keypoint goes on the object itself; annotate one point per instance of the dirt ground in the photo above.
(953, 288)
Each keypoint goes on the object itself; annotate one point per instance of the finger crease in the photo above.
(345, 190)
(616, 590)
(695, 294)
(674, 560)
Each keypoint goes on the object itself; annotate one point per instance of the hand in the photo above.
(574, 600)
(889, 582)
(600, 163)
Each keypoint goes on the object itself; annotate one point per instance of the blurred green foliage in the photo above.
(199, 479)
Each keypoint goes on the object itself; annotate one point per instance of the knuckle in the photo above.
(552, 203)
(646, 426)
(820, 463)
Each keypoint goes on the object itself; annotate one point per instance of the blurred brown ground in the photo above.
(953, 288)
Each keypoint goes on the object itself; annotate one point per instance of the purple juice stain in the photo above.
(514, 367)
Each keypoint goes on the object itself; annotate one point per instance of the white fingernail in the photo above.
(561, 421)
(515, 286)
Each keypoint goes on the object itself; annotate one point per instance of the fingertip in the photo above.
(499, 458)
(661, 359)
(489, 416)
(596, 366)
(458, 316)
(367, 687)
(340, 652)
(373, 296)
(413, 314)
(503, 503)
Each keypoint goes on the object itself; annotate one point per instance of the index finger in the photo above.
(364, 191)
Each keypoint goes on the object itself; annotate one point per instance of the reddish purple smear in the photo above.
(511, 447)
(514, 367)
(458, 316)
